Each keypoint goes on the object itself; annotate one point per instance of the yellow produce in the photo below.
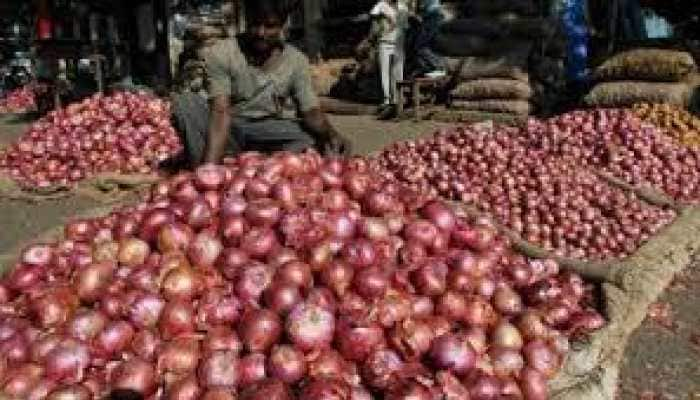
(673, 120)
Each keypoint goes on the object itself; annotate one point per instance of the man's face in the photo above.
(266, 33)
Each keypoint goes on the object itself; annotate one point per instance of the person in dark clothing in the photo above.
(250, 78)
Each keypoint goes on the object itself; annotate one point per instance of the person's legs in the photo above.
(190, 113)
(385, 52)
(274, 135)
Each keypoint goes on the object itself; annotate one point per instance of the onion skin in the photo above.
(179, 356)
(534, 385)
(310, 326)
(453, 353)
(251, 369)
(136, 375)
(219, 369)
(286, 364)
(259, 330)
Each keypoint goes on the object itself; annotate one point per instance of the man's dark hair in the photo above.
(259, 10)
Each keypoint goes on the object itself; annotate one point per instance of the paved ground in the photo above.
(663, 359)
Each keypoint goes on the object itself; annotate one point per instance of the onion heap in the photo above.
(617, 142)
(121, 133)
(286, 277)
(548, 200)
(18, 100)
(672, 120)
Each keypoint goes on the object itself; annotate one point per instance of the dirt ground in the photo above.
(662, 361)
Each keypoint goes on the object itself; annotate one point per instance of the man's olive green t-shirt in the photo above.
(256, 93)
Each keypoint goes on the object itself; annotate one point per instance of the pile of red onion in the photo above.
(617, 142)
(289, 277)
(18, 100)
(121, 133)
(549, 200)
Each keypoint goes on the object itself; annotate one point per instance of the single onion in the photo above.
(286, 364)
(205, 249)
(282, 297)
(259, 330)
(506, 335)
(454, 353)
(251, 369)
(177, 318)
(135, 374)
(219, 369)
(179, 356)
(541, 357)
(310, 326)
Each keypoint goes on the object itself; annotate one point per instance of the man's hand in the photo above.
(219, 125)
(328, 141)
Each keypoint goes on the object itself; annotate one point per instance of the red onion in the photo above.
(326, 389)
(115, 337)
(146, 310)
(286, 364)
(181, 284)
(310, 326)
(421, 231)
(541, 357)
(259, 242)
(259, 330)
(136, 375)
(133, 252)
(296, 273)
(282, 297)
(485, 388)
(185, 389)
(219, 369)
(91, 282)
(73, 392)
(251, 369)
(360, 253)
(356, 341)
(217, 309)
(506, 361)
(381, 368)
(454, 353)
(67, 362)
(412, 338)
(86, 324)
(371, 282)
(534, 384)
(253, 280)
(431, 278)
(174, 237)
(269, 389)
(204, 249)
(179, 356)
(177, 318)
(37, 255)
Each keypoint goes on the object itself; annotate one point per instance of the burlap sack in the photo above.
(492, 88)
(469, 68)
(457, 45)
(647, 64)
(325, 75)
(627, 93)
(516, 107)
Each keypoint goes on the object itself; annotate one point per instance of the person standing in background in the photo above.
(431, 16)
(392, 17)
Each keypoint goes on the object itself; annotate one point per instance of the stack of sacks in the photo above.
(487, 55)
(644, 76)
(493, 95)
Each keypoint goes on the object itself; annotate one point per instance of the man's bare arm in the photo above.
(219, 128)
(327, 138)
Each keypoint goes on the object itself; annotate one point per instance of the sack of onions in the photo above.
(285, 277)
(538, 181)
(124, 133)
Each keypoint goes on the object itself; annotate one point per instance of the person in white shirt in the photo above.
(393, 16)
